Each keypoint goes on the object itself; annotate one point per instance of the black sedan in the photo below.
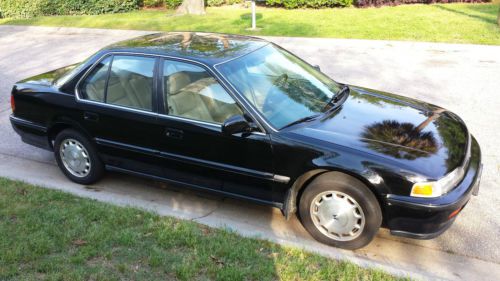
(244, 118)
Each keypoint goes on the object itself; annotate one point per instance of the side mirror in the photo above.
(317, 67)
(236, 124)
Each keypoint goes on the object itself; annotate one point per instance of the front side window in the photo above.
(281, 86)
(191, 92)
(131, 82)
(94, 86)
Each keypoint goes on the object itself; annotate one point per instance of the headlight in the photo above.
(440, 187)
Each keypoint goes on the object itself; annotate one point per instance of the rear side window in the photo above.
(122, 80)
(131, 82)
(94, 87)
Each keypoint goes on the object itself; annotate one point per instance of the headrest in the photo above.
(177, 81)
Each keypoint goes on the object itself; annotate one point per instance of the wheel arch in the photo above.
(62, 123)
(300, 184)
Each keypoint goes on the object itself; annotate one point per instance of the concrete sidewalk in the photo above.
(462, 78)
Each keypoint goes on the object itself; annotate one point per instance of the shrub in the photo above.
(377, 3)
(293, 4)
(152, 3)
(215, 3)
(33, 8)
(172, 4)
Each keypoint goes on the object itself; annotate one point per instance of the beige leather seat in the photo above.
(130, 90)
(182, 101)
(95, 89)
(124, 88)
(141, 88)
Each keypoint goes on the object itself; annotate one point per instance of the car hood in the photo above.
(416, 135)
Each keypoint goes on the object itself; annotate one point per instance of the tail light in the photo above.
(12, 103)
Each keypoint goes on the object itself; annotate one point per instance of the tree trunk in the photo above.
(498, 17)
(192, 7)
(429, 119)
(186, 39)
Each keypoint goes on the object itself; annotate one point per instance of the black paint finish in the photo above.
(384, 140)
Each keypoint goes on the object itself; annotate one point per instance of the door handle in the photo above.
(174, 133)
(90, 116)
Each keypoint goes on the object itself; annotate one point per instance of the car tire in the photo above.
(77, 157)
(346, 214)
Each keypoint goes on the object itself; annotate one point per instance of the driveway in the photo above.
(462, 78)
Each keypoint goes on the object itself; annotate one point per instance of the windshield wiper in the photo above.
(337, 97)
(301, 120)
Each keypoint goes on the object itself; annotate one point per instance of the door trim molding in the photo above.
(197, 187)
(195, 161)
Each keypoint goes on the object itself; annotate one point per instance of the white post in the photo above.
(254, 26)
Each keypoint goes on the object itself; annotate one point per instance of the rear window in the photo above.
(69, 72)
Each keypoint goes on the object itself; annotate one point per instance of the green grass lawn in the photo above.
(458, 23)
(50, 235)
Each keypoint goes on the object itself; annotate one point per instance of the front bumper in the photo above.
(426, 218)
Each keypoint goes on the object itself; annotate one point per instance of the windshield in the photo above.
(281, 86)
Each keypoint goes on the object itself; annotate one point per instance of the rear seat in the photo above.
(131, 90)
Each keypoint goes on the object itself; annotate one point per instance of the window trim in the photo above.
(156, 109)
(108, 75)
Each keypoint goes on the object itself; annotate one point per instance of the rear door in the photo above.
(120, 111)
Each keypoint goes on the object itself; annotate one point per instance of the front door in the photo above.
(195, 105)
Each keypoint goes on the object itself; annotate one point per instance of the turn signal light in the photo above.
(424, 189)
(439, 187)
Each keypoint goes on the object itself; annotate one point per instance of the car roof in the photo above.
(208, 48)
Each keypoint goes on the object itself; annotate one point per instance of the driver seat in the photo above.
(183, 102)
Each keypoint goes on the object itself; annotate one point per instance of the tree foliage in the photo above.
(33, 8)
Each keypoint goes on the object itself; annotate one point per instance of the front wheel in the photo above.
(339, 210)
(77, 157)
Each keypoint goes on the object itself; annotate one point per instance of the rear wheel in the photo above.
(339, 210)
(77, 157)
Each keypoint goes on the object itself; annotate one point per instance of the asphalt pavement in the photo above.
(462, 78)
